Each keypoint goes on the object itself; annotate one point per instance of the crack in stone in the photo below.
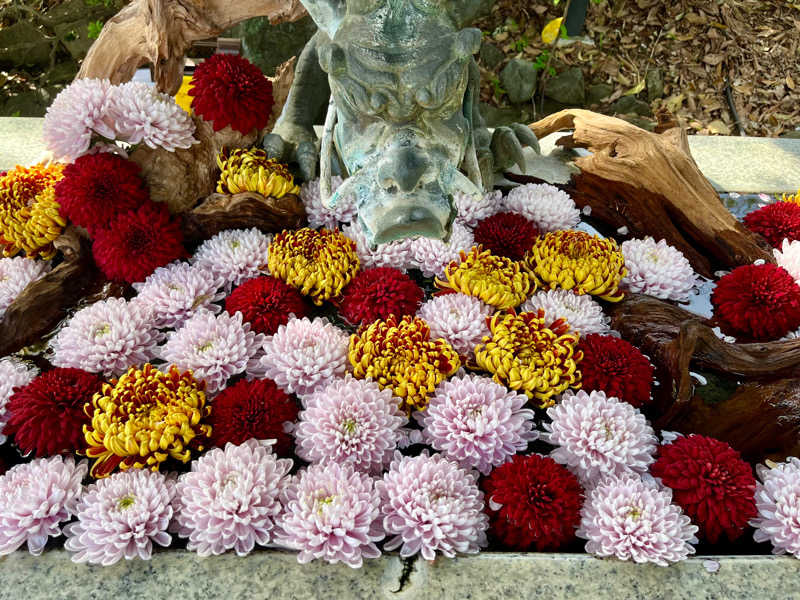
(405, 576)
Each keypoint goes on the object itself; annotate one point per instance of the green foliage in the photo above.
(498, 89)
(94, 27)
(541, 62)
(106, 3)
(521, 43)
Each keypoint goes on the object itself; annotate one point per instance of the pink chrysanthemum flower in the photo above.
(470, 211)
(459, 319)
(213, 347)
(581, 312)
(121, 517)
(431, 505)
(143, 115)
(176, 292)
(303, 356)
(431, 256)
(229, 500)
(788, 257)
(546, 205)
(657, 269)
(632, 520)
(236, 255)
(15, 275)
(477, 422)
(35, 498)
(332, 512)
(350, 421)
(79, 112)
(107, 337)
(778, 504)
(321, 216)
(395, 254)
(13, 374)
(597, 435)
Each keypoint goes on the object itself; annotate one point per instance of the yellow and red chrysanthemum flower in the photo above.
(251, 171)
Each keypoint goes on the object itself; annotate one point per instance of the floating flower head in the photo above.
(431, 256)
(395, 254)
(778, 503)
(266, 303)
(121, 517)
(236, 255)
(251, 171)
(458, 319)
(331, 512)
(616, 367)
(580, 312)
(13, 374)
(35, 498)
(470, 211)
(431, 505)
(533, 503)
(776, 222)
(229, 500)
(788, 257)
(228, 89)
(303, 355)
(319, 263)
(596, 435)
(495, 280)
(29, 214)
(107, 337)
(145, 417)
(15, 275)
(213, 347)
(528, 357)
(477, 423)
(320, 215)
(506, 234)
(710, 482)
(578, 261)
(377, 293)
(350, 421)
(630, 520)
(757, 302)
(547, 206)
(657, 269)
(399, 354)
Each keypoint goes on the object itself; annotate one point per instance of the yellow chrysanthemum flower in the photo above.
(578, 261)
(145, 417)
(319, 263)
(496, 280)
(401, 356)
(251, 171)
(528, 357)
(29, 217)
(793, 198)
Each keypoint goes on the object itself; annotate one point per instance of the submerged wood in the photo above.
(649, 184)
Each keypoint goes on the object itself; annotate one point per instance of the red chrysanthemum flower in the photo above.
(230, 90)
(710, 482)
(616, 367)
(46, 417)
(96, 187)
(540, 503)
(377, 293)
(776, 222)
(253, 409)
(136, 243)
(506, 234)
(757, 302)
(266, 303)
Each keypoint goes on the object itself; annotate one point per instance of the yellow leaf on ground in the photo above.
(551, 30)
(719, 128)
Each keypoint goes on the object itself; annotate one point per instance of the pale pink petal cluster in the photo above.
(230, 498)
(213, 347)
(581, 312)
(778, 504)
(35, 498)
(457, 318)
(629, 519)
(430, 505)
(469, 210)
(13, 374)
(15, 275)
(476, 422)
(321, 216)
(331, 512)
(235, 255)
(107, 337)
(596, 435)
(350, 421)
(546, 205)
(395, 254)
(122, 516)
(788, 257)
(431, 256)
(657, 269)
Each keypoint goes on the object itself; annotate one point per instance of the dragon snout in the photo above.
(403, 170)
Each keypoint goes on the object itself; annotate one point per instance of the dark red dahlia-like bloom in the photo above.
(540, 503)
(710, 482)
(506, 234)
(776, 222)
(137, 242)
(230, 90)
(253, 409)
(46, 417)
(377, 293)
(96, 187)
(757, 302)
(266, 303)
(616, 367)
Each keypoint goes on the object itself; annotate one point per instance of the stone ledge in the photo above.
(276, 575)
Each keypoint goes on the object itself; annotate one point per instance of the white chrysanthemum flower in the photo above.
(469, 211)
(788, 257)
(458, 319)
(778, 504)
(15, 275)
(657, 269)
(395, 254)
(321, 216)
(431, 256)
(236, 255)
(582, 313)
(546, 205)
